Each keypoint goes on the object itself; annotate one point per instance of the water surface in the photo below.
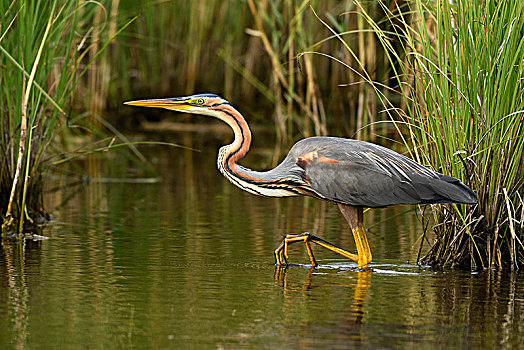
(187, 262)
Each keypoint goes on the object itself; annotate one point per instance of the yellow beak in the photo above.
(169, 103)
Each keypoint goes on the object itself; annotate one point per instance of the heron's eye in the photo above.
(201, 101)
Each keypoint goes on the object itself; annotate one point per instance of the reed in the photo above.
(43, 57)
(459, 70)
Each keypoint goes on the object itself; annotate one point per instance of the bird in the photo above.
(350, 173)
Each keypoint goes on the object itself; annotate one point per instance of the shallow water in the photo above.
(187, 262)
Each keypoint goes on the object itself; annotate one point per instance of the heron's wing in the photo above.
(363, 174)
(358, 183)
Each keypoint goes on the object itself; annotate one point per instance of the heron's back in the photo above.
(364, 174)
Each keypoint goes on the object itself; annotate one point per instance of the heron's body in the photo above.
(361, 173)
(353, 174)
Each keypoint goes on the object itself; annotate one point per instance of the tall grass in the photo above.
(43, 55)
(460, 70)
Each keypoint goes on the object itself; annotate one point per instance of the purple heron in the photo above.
(349, 173)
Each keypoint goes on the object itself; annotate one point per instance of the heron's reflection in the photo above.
(360, 287)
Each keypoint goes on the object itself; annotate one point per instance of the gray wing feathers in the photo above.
(364, 174)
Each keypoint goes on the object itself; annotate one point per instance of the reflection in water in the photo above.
(16, 286)
(15, 289)
(360, 289)
(189, 263)
(336, 305)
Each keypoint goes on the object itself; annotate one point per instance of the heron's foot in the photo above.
(281, 254)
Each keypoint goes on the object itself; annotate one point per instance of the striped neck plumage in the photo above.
(238, 149)
(262, 183)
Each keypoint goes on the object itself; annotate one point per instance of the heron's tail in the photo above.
(454, 191)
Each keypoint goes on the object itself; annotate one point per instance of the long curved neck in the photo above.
(263, 183)
(242, 142)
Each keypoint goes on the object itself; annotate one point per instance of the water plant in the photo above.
(459, 68)
(43, 57)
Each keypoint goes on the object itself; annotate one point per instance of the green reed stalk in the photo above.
(42, 37)
(460, 72)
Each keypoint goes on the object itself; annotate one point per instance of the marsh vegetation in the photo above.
(441, 82)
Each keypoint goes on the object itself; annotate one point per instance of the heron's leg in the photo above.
(297, 237)
(281, 251)
(334, 248)
(354, 216)
(361, 241)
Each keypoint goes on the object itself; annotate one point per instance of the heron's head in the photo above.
(205, 104)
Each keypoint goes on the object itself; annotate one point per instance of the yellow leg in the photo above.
(355, 218)
(363, 250)
(334, 248)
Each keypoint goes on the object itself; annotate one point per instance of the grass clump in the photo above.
(460, 70)
(43, 57)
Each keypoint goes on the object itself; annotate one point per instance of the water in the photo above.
(187, 262)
